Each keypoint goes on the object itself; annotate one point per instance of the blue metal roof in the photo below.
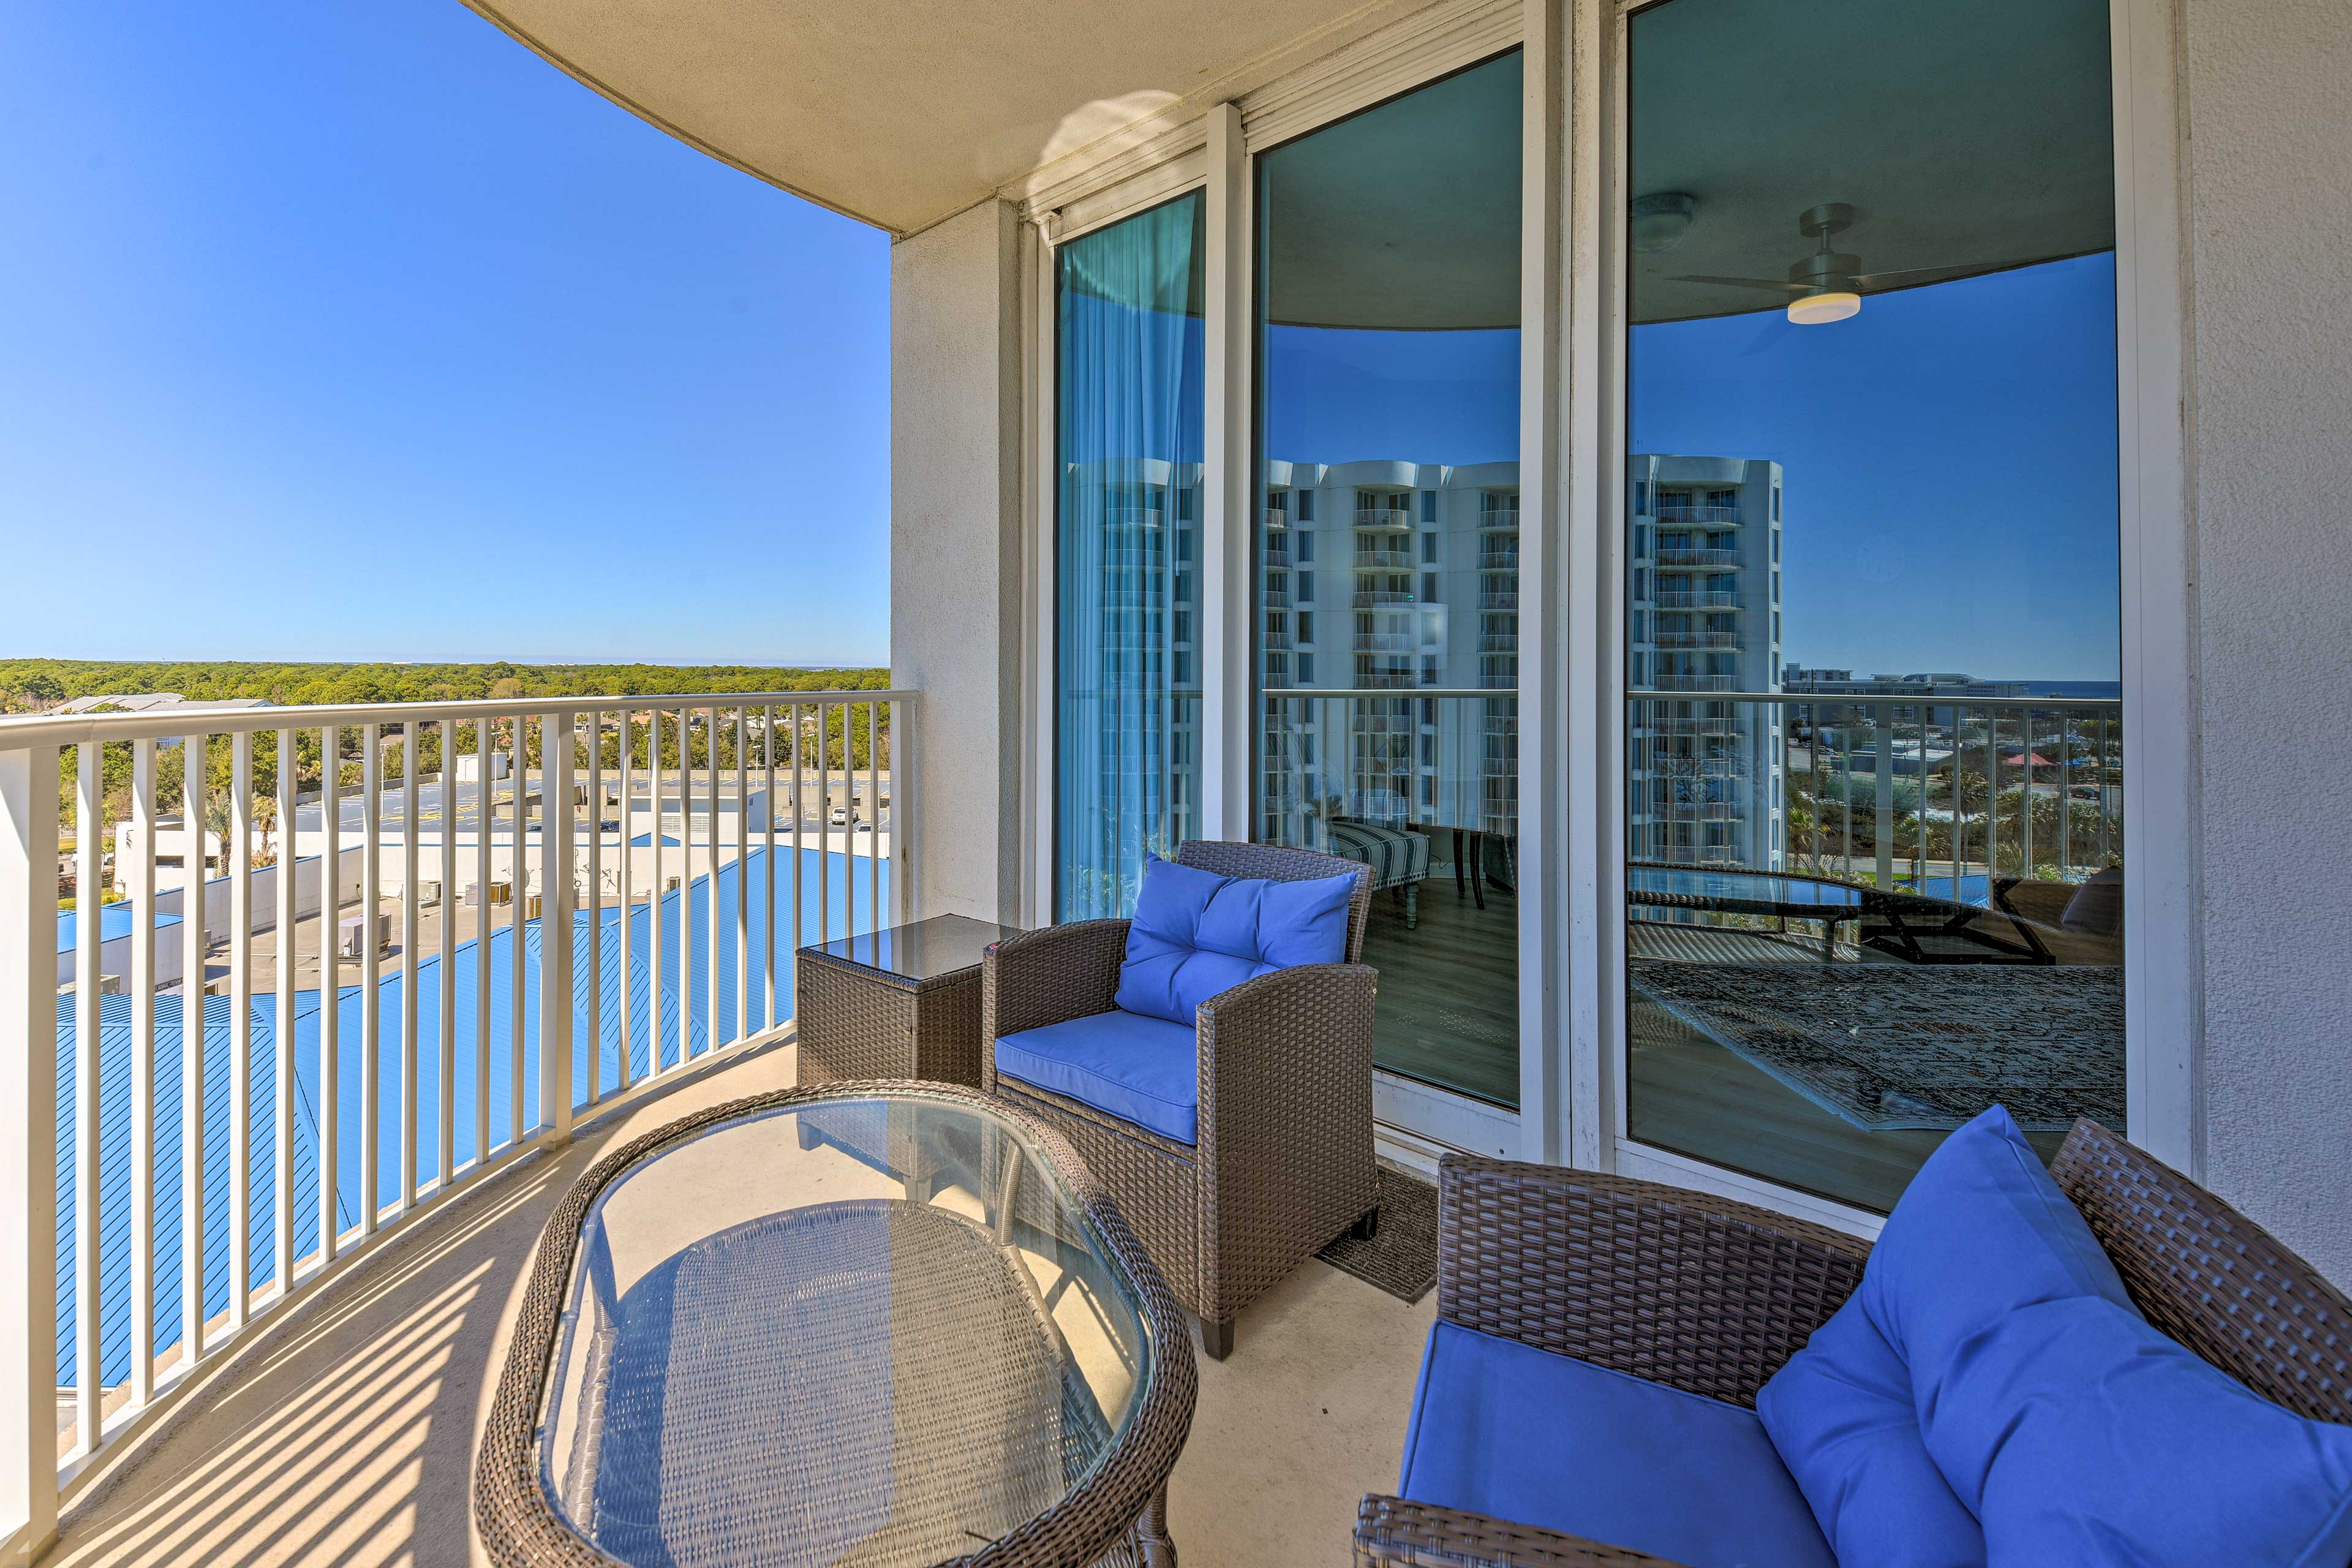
(114, 1068)
(113, 920)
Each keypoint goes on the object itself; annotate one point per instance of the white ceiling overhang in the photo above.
(903, 112)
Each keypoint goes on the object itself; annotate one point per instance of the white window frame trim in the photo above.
(2162, 985)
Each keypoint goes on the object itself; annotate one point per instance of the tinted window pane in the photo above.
(1389, 416)
(1873, 736)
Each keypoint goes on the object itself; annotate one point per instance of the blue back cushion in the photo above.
(1840, 1415)
(2082, 1435)
(2075, 1431)
(1982, 1232)
(1196, 933)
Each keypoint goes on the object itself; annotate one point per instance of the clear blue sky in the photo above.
(1949, 462)
(355, 331)
(1948, 455)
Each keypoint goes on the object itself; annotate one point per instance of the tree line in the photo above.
(35, 685)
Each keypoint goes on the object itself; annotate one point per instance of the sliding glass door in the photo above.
(1130, 352)
(1385, 614)
(1874, 782)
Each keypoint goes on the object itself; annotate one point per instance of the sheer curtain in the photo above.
(1127, 552)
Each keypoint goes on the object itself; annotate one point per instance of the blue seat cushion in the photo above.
(1196, 933)
(1139, 1070)
(2081, 1435)
(1981, 1233)
(1519, 1433)
(1840, 1415)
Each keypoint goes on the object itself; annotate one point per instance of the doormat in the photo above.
(1402, 1258)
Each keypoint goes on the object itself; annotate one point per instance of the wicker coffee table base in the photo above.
(1117, 1516)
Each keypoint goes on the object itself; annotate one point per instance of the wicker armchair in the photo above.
(1284, 1159)
(1704, 1294)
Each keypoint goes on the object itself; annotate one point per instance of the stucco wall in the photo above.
(2269, 161)
(955, 540)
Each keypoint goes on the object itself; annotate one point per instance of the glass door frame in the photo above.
(2161, 990)
(1418, 1117)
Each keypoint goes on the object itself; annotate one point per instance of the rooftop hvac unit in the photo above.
(349, 934)
(501, 893)
(428, 895)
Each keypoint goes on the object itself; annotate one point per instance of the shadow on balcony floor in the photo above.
(347, 1436)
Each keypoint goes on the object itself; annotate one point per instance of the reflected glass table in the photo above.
(887, 1324)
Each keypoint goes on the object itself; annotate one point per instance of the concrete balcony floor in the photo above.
(346, 1436)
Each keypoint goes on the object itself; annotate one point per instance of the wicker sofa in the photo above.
(1712, 1297)
(1281, 1158)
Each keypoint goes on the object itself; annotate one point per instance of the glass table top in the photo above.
(927, 949)
(1754, 887)
(876, 1329)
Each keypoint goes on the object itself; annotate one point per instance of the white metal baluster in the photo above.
(2025, 815)
(556, 737)
(902, 782)
(370, 974)
(240, 1029)
(1926, 711)
(412, 734)
(519, 901)
(331, 992)
(768, 850)
(193, 947)
(710, 915)
(485, 819)
(281, 1149)
(1992, 792)
(142, 1072)
(824, 825)
(743, 880)
(685, 883)
(628, 908)
(873, 818)
(446, 954)
(90, 904)
(800, 809)
(28, 1143)
(654, 779)
(2065, 793)
(595, 1044)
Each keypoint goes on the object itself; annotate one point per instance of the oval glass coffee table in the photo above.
(889, 1324)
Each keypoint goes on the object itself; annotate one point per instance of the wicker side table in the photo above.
(897, 1004)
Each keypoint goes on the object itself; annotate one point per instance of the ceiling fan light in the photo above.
(1819, 310)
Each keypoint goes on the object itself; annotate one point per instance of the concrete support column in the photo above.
(957, 551)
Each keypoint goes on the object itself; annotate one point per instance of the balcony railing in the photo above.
(1674, 682)
(1386, 642)
(1669, 511)
(1383, 598)
(1502, 521)
(1945, 792)
(1509, 600)
(1383, 560)
(664, 945)
(1276, 517)
(1682, 556)
(1697, 639)
(1498, 561)
(1383, 517)
(1696, 599)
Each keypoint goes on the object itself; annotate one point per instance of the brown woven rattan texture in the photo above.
(854, 1022)
(1713, 1296)
(2213, 1278)
(1284, 1159)
(1118, 1515)
(1393, 1534)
